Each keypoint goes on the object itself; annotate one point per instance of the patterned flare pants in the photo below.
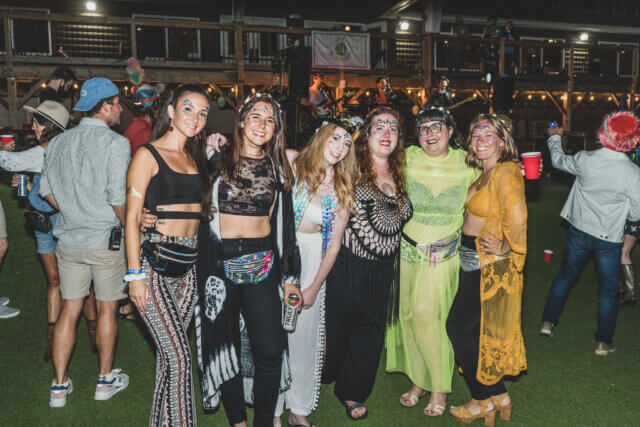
(169, 311)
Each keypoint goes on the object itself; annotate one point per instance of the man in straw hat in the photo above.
(604, 194)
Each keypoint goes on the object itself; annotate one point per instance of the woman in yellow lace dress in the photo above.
(437, 180)
(484, 321)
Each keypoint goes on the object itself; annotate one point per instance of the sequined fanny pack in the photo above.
(438, 251)
(469, 260)
(252, 268)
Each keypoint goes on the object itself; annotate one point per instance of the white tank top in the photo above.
(313, 214)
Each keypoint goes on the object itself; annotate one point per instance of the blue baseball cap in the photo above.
(93, 91)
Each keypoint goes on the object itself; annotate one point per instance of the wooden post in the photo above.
(501, 59)
(427, 63)
(239, 48)
(339, 91)
(134, 39)
(567, 104)
(634, 74)
(12, 89)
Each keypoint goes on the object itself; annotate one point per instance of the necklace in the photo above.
(259, 155)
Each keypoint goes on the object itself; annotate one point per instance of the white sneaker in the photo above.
(4, 300)
(59, 393)
(8, 312)
(110, 384)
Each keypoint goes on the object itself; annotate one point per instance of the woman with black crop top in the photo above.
(170, 177)
(246, 251)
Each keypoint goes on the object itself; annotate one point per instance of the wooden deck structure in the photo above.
(239, 56)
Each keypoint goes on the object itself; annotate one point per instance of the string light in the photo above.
(233, 89)
(75, 86)
(409, 91)
(126, 88)
(591, 98)
(563, 97)
(253, 90)
(609, 99)
(453, 94)
(543, 97)
(367, 93)
(209, 90)
(44, 85)
(579, 97)
(529, 96)
(475, 95)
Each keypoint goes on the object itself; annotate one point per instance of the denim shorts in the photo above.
(45, 242)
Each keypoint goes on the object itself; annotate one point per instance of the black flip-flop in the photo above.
(356, 406)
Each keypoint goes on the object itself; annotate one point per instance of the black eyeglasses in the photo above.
(434, 128)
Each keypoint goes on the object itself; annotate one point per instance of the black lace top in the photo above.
(253, 191)
(373, 231)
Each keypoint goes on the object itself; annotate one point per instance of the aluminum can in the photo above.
(22, 185)
(290, 315)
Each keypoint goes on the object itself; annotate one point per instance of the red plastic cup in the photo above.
(547, 255)
(531, 162)
(6, 138)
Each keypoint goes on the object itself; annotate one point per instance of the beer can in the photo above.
(290, 315)
(22, 185)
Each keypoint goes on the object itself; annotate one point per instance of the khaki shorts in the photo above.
(78, 267)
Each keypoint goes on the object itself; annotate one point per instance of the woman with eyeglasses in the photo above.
(48, 120)
(437, 183)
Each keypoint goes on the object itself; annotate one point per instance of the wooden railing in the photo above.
(411, 60)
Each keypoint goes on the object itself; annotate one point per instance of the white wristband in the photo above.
(131, 277)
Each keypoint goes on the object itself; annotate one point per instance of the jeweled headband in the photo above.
(430, 108)
(265, 96)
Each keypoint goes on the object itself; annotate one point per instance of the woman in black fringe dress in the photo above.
(362, 288)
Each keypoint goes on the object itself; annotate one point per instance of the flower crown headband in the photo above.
(430, 108)
(381, 110)
(267, 98)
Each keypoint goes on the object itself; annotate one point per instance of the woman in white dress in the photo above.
(322, 197)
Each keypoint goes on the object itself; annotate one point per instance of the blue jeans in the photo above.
(577, 248)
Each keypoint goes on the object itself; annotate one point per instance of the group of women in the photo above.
(424, 246)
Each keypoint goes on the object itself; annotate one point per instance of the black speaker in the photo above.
(503, 94)
(299, 61)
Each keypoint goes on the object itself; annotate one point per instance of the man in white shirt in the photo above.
(605, 194)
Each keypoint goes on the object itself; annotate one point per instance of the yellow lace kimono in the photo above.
(501, 345)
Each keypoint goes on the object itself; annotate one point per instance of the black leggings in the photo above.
(463, 328)
(262, 311)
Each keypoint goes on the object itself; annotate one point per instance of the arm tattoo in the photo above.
(134, 193)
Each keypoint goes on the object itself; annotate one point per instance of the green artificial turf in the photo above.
(566, 384)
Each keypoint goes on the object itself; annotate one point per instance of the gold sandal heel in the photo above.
(505, 410)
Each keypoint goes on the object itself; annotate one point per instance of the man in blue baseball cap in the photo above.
(84, 177)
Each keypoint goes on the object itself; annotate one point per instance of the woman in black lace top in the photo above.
(362, 288)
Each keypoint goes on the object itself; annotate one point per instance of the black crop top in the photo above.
(168, 187)
(253, 191)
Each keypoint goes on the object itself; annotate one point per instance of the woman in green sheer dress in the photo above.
(437, 183)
